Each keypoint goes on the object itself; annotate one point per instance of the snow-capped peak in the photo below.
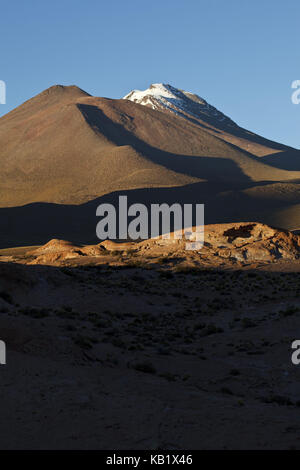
(162, 96)
(157, 90)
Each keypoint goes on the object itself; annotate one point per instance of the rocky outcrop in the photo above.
(235, 243)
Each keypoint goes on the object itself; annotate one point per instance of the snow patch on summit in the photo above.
(162, 96)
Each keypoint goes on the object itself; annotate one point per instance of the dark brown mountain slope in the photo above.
(191, 107)
(66, 147)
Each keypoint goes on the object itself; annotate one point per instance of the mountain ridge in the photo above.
(165, 96)
(190, 106)
(66, 147)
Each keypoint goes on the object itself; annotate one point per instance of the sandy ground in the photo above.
(101, 355)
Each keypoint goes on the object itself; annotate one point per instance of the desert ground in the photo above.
(148, 346)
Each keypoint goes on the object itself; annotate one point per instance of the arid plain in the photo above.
(144, 344)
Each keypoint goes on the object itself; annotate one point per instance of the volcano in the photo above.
(64, 150)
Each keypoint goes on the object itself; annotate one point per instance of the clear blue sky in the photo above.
(240, 55)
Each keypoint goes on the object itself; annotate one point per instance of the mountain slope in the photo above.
(53, 150)
(166, 98)
(66, 147)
